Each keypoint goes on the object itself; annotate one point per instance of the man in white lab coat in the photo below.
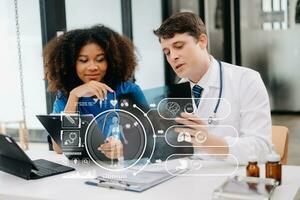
(239, 124)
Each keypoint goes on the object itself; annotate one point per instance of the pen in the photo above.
(110, 185)
(70, 119)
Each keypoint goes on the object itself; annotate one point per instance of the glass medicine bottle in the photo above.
(273, 167)
(252, 169)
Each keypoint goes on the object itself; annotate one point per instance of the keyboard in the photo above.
(47, 168)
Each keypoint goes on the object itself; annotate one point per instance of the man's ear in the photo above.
(203, 41)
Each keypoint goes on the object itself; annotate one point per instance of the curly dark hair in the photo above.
(61, 53)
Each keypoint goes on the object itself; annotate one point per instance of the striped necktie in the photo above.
(197, 90)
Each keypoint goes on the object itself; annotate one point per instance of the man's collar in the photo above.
(214, 76)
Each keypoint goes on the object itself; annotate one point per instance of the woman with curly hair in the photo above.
(87, 68)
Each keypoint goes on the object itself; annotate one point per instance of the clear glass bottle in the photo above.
(252, 169)
(273, 167)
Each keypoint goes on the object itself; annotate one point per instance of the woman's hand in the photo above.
(112, 149)
(89, 89)
(56, 147)
(92, 88)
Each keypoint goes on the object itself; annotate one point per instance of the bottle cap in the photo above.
(253, 158)
(273, 157)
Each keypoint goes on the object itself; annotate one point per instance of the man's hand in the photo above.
(195, 127)
(112, 149)
(199, 135)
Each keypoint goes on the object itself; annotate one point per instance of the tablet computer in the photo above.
(14, 160)
(68, 131)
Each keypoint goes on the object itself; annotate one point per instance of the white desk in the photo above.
(59, 187)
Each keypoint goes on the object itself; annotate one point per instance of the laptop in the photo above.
(14, 160)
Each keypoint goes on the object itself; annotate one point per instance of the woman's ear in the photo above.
(203, 41)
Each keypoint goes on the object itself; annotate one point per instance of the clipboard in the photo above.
(139, 183)
(240, 187)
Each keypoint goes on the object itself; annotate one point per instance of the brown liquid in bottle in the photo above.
(273, 170)
(273, 166)
(252, 169)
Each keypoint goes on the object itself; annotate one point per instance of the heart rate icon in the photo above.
(113, 102)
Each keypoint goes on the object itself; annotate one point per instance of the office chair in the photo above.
(280, 141)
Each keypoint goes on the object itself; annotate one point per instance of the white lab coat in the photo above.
(244, 107)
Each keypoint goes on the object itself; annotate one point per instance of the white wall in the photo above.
(146, 16)
(31, 43)
(86, 13)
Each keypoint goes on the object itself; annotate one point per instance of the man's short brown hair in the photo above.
(184, 22)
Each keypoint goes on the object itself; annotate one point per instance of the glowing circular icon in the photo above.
(173, 108)
(86, 161)
(200, 138)
(188, 108)
(111, 124)
(72, 138)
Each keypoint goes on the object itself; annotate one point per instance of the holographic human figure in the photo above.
(116, 131)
